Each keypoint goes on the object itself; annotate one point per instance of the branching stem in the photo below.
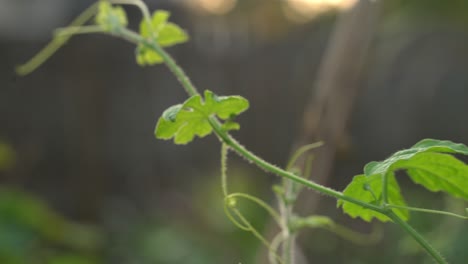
(243, 152)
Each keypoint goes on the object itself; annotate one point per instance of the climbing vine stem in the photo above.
(243, 152)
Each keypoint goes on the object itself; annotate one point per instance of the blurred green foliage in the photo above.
(449, 11)
(31, 232)
(7, 156)
(197, 232)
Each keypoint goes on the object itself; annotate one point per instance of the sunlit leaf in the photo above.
(438, 172)
(184, 122)
(158, 20)
(171, 34)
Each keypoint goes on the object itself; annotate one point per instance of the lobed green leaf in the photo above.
(427, 163)
(185, 121)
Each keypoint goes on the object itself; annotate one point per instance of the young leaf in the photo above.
(369, 189)
(425, 163)
(184, 122)
(164, 33)
(110, 18)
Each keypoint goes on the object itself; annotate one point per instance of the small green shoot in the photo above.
(166, 34)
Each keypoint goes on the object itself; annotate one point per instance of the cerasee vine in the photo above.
(374, 194)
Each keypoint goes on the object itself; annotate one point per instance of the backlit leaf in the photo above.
(184, 122)
(427, 163)
(438, 172)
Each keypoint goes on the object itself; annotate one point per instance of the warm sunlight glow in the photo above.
(304, 9)
(217, 7)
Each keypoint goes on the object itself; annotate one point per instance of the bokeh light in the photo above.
(217, 7)
(304, 10)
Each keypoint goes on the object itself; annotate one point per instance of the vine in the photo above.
(373, 194)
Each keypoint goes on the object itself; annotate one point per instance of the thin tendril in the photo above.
(301, 151)
(260, 203)
(430, 211)
(233, 219)
(56, 43)
(258, 235)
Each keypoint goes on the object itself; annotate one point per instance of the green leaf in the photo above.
(170, 35)
(158, 21)
(164, 33)
(426, 145)
(426, 163)
(184, 122)
(369, 189)
(438, 172)
(110, 18)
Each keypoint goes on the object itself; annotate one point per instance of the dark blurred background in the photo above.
(83, 180)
